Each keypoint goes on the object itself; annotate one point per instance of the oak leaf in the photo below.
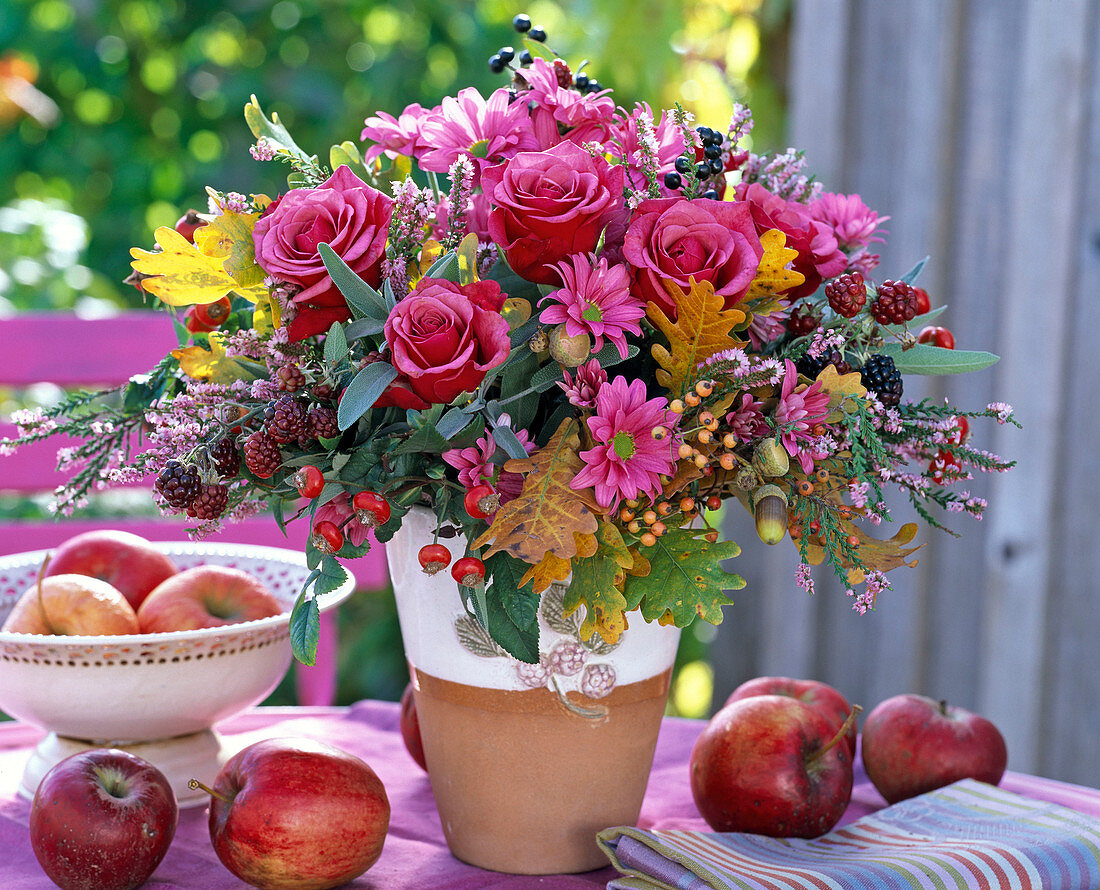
(596, 582)
(843, 390)
(772, 275)
(209, 364)
(548, 514)
(702, 329)
(229, 237)
(551, 569)
(181, 274)
(876, 554)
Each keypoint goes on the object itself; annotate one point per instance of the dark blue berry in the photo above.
(496, 64)
(673, 180)
(710, 152)
(581, 81)
(705, 133)
(537, 34)
(702, 171)
(506, 54)
(716, 166)
(525, 58)
(594, 86)
(711, 194)
(522, 23)
(715, 138)
(683, 165)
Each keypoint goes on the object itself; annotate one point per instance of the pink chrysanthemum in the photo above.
(746, 420)
(583, 389)
(798, 410)
(853, 221)
(596, 300)
(463, 121)
(475, 466)
(394, 136)
(583, 117)
(627, 461)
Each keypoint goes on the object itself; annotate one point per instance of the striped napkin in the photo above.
(965, 835)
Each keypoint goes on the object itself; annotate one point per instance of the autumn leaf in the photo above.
(686, 578)
(210, 364)
(229, 237)
(182, 275)
(548, 513)
(876, 554)
(702, 328)
(550, 570)
(843, 390)
(467, 259)
(595, 585)
(772, 275)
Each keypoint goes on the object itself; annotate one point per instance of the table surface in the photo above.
(415, 855)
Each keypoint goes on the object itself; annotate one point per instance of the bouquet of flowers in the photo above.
(570, 330)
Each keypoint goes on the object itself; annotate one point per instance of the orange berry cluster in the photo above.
(708, 439)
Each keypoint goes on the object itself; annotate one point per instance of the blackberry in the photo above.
(808, 366)
(800, 323)
(261, 455)
(225, 457)
(285, 420)
(210, 504)
(290, 378)
(896, 303)
(321, 422)
(179, 484)
(847, 294)
(880, 376)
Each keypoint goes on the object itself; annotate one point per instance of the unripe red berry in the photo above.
(187, 224)
(212, 314)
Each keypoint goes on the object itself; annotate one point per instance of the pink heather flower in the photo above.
(746, 421)
(854, 223)
(582, 117)
(394, 135)
(1003, 409)
(628, 145)
(338, 511)
(798, 410)
(463, 121)
(262, 150)
(864, 603)
(595, 300)
(582, 389)
(627, 461)
(804, 579)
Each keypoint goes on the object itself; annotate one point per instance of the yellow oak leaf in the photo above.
(548, 514)
(843, 389)
(772, 275)
(702, 329)
(182, 275)
(550, 570)
(229, 237)
(210, 364)
(267, 315)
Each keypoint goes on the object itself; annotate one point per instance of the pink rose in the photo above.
(551, 204)
(348, 215)
(819, 255)
(443, 338)
(676, 239)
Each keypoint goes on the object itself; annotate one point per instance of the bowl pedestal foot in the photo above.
(198, 755)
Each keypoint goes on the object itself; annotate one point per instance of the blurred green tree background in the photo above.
(116, 114)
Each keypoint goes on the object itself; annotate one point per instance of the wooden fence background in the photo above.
(976, 126)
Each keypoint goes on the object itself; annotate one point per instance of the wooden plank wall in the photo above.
(976, 126)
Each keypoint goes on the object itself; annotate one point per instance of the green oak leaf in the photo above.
(593, 583)
(512, 610)
(686, 578)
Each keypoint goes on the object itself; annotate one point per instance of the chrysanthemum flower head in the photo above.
(595, 300)
(799, 409)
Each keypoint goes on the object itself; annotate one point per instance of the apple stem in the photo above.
(943, 706)
(195, 785)
(38, 591)
(840, 733)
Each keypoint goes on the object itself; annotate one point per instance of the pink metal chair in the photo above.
(76, 353)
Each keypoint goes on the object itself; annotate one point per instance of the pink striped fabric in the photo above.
(968, 835)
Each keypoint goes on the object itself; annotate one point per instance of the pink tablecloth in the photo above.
(415, 855)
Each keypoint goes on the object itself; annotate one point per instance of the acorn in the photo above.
(567, 351)
(539, 341)
(770, 459)
(746, 478)
(769, 505)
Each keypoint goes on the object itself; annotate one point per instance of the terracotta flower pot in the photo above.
(527, 762)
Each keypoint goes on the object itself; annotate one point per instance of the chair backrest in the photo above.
(101, 353)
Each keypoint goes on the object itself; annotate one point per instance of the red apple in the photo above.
(410, 728)
(913, 744)
(296, 813)
(126, 561)
(72, 605)
(102, 820)
(820, 696)
(206, 596)
(770, 764)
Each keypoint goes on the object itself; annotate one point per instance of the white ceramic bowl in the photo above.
(150, 693)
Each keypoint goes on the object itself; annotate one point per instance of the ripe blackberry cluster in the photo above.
(211, 502)
(847, 294)
(285, 420)
(261, 455)
(321, 422)
(179, 484)
(811, 367)
(225, 457)
(290, 378)
(896, 303)
(880, 376)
